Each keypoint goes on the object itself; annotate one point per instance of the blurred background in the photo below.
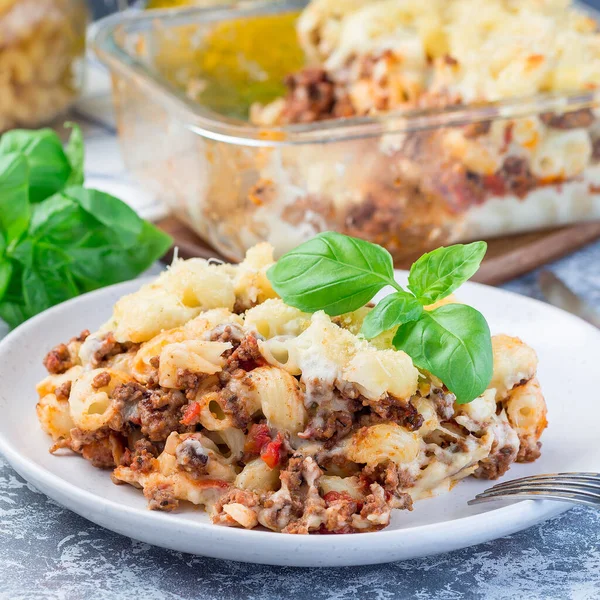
(104, 7)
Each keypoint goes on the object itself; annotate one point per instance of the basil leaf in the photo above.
(49, 168)
(99, 266)
(14, 196)
(75, 154)
(23, 252)
(121, 220)
(54, 215)
(13, 313)
(71, 239)
(453, 343)
(332, 272)
(437, 274)
(44, 288)
(6, 271)
(395, 309)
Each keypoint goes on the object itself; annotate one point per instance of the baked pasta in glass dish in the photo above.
(204, 387)
(412, 124)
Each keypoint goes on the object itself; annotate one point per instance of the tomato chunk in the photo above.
(191, 413)
(271, 453)
(258, 437)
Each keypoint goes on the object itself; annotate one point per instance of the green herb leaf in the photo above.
(71, 239)
(122, 221)
(58, 219)
(332, 272)
(6, 270)
(393, 310)
(75, 154)
(13, 313)
(437, 274)
(453, 343)
(49, 167)
(14, 196)
(94, 267)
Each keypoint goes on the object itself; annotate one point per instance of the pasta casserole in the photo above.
(409, 123)
(488, 177)
(204, 387)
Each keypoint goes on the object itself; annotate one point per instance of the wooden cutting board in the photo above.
(506, 258)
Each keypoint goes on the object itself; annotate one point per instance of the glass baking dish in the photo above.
(184, 80)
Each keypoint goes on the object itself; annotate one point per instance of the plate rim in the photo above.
(490, 524)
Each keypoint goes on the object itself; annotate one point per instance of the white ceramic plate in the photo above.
(569, 353)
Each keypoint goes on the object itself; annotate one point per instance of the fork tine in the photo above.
(564, 481)
(591, 477)
(563, 494)
(563, 489)
(518, 495)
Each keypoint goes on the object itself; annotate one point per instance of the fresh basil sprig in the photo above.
(393, 310)
(453, 343)
(57, 238)
(437, 274)
(332, 272)
(339, 274)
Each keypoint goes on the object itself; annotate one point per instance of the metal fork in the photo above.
(577, 488)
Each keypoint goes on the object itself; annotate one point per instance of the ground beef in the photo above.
(160, 413)
(103, 448)
(192, 457)
(63, 391)
(394, 410)
(161, 497)
(340, 509)
(517, 177)
(127, 393)
(110, 347)
(188, 382)
(317, 392)
(101, 380)
(313, 96)
(81, 337)
(141, 460)
(375, 508)
(61, 358)
(328, 427)
(390, 475)
(246, 356)
(304, 475)
(575, 119)
(100, 453)
(443, 402)
(496, 464)
(125, 400)
(528, 452)
(58, 360)
(286, 505)
(333, 409)
(227, 332)
(394, 480)
(79, 437)
(348, 390)
(235, 406)
(235, 496)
